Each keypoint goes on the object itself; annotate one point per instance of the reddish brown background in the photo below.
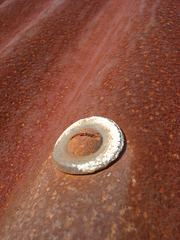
(61, 61)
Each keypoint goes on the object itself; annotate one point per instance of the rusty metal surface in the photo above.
(61, 61)
(85, 142)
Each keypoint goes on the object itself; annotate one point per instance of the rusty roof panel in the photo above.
(62, 61)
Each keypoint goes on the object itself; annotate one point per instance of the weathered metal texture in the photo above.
(66, 60)
(85, 142)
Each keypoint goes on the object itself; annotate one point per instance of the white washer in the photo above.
(112, 145)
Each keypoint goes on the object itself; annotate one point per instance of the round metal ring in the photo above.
(112, 145)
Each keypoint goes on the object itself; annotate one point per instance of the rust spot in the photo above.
(85, 142)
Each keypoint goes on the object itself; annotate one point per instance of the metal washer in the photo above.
(113, 143)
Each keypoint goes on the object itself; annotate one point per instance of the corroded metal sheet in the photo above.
(61, 61)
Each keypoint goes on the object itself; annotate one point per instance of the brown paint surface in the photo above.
(61, 61)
